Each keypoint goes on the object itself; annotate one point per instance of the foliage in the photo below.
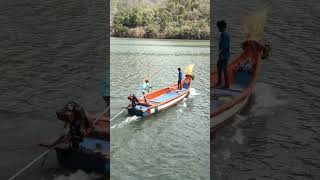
(176, 19)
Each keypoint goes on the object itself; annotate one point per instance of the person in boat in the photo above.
(145, 88)
(134, 100)
(76, 121)
(179, 78)
(224, 53)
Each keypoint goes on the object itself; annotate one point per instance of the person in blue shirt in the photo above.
(224, 53)
(179, 78)
(145, 88)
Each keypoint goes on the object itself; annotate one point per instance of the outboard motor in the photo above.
(133, 99)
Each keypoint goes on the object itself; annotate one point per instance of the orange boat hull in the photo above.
(225, 103)
(161, 99)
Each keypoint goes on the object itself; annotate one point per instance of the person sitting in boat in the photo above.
(179, 78)
(145, 88)
(224, 53)
(134, 100)
(75, 119)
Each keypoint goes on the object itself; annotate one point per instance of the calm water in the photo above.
(278, 137)
(51, 52)
(173, 144)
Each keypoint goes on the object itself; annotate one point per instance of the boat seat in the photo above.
(180, 90)
(150, 101)
(141, 107)
(242, 78)
(165, 97)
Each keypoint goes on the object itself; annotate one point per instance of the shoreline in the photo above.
(165, 38)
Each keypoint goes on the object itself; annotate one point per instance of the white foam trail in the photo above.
(125, 122)
(238, 119)
(239, 137)
(78, 175)
(193, 92)
(184, 104)
(226, 154)
(265, 99)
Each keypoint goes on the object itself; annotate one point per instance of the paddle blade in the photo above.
(189, 69)
(254, 26)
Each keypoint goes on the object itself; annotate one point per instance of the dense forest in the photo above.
(172, 19)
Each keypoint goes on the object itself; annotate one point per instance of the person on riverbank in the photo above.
(179, 78)
(145, 88)
(224, 53)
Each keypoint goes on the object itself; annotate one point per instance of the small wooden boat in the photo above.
(161, 99)
(242, 72)
(87, 144)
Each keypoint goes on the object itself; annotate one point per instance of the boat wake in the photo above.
(238, 119)
(125, 122)
(183, 105)
(238, 137)
(193, 92)
(264, 103)
(78, 175)
(265, 100)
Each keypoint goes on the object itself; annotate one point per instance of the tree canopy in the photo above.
(174, 19)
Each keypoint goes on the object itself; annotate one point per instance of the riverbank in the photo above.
(170, 19)
(141, 32)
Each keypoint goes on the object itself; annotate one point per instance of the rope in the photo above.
(30, 164)
(117, 114)
(34, 161)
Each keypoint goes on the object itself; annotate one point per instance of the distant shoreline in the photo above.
(171, 19)
(140, 34)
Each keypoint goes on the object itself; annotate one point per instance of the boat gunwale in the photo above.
(247, 92)
(169, 100)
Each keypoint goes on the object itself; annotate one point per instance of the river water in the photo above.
(278, 135)
(173, 144)
(51, 52)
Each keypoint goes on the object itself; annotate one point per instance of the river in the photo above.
(173, 144)
(51, 52)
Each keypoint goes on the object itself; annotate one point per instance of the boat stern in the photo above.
(76, 159)
(91, 156)
(138, 110)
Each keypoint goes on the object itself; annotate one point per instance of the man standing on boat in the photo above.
(179, 78)
(145, 88)
(224, 53)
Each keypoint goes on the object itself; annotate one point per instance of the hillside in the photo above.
(173, 19)
(122, 4)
